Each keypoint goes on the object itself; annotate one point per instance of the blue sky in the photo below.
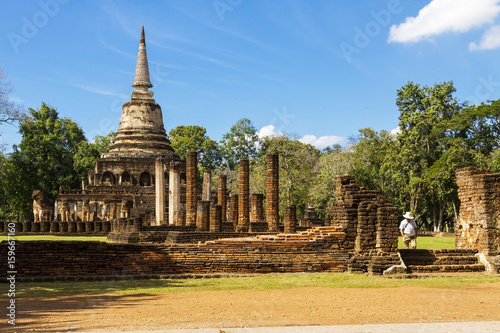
(319, 69)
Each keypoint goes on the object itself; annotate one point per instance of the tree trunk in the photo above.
(455, 210)
(435, 218)
(438, 217)
(441, 216)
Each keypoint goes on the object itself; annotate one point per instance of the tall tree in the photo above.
(195, 138)
(241, 142)
(424, 111)
(44, 158)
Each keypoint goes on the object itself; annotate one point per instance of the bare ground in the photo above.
(243, 308)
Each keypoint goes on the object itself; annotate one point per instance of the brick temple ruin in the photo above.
(162, 222)
(130, 177)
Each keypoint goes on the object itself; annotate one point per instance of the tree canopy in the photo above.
(195, 138)
(241, 142)
(44, 158)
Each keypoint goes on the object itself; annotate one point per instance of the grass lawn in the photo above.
(422, 242)
(260, 282)
(56, 238)
(425, 242)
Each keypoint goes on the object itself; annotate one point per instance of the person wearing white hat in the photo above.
(408, 229)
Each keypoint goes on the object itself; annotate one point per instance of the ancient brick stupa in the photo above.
(124, 177)
(141, 132)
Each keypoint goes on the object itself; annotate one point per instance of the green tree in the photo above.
(241, 142)
(195, 138)
(334, 161)
(87, 153)
(478, 126)
(424, 113)
(441, 181)
(44, 158)
(370, 155)
(18, 185)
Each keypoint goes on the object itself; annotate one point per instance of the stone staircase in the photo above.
(441, 262)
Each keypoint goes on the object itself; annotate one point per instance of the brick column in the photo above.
(272, 192)
(366, 232)
(215, 218)
(174, 191)
(257, 207)
(290, 219)
(160, 191)
(203, 216)
(233, 210)
(477, 226)
(222, 195)
(206, 195)
(180, 218)
(191, 187)
(244, 199)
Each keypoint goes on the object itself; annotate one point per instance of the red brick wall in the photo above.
(478, 224)
(63, 259)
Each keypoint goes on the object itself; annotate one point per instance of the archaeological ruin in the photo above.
(161, 221)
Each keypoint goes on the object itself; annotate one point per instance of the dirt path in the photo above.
(237, 308)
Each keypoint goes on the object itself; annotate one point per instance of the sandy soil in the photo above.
(239, 308)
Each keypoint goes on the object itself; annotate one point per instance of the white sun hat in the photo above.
(408, 216)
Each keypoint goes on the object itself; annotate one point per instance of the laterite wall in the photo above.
(36, 259)
(478, 224)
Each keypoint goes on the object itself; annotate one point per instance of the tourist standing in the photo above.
(408, 229)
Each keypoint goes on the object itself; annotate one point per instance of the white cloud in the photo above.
(441, 16)
(489, 41)
(322, 141)
(268, 130)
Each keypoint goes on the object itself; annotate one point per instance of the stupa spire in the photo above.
(141, 80)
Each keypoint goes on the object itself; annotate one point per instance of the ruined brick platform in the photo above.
(442, 260)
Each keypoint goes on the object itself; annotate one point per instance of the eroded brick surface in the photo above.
(478, 224)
